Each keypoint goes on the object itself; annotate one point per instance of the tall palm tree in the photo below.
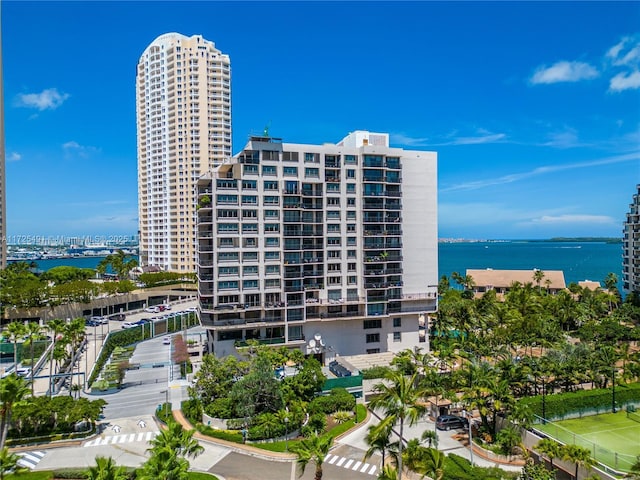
(13, 390)
(399, 398)
(379, 441)
(164, 464)
(56, 326)
(579, 455)
(106, 469)
(550, 448)
(538, 275)
(313, 449)
(33, 331)
(16, 331)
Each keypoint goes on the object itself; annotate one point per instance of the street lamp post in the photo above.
(286, 433)
(613, 389)
(467, 415)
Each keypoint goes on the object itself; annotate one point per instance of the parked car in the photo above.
(100, 320)
(119, 317)
(447, 422)
(91, 323)
(152, 310)
(166, 341)
(129, 324)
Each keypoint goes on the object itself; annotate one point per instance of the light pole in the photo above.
(286, 433)
(467, 415)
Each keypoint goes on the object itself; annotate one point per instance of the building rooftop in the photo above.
(505, 278)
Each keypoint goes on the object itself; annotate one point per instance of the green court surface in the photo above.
(612, 438)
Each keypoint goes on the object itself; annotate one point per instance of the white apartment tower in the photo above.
(183, 108)
(332, 249)
(631, 247)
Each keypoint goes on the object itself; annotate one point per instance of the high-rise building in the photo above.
(183, 107)
(631, 247)
(332, 249)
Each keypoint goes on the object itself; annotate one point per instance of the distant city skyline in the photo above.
(532, 107)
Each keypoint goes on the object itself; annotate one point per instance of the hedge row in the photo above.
(563, 404)
(130, 336)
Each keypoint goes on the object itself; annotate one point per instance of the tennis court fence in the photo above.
(619, 462)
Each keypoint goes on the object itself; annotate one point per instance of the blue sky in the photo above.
(533, 108)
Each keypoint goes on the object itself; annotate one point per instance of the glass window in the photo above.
(249, 213)
(351, 254)
(333, 241)
(351, 202)
(312, 172)
(270, 185)
(350, 159)
(249, 200)
(351, 241)
(272, 283)
(351, 173)
(271, 200)
(249, 184)
(227, 256)
(249, 227)
(222, 271)
(249, 284)
(249, 256)
(271, 214)
(333, 201)
(250, 242)
(333, 228)
(271, 227)
(272, 269)
(272, 242)
(372, 338)
(333, 215)
(397, 336)
(226, 199)
(397, 322)
(352, 280)
(228, 285)
(250, 270)
(272, 255)
(351, 215)
(290, 171)
(351, 188)
(312, 157)
(269, 170)
(227, 227)
(375, 323)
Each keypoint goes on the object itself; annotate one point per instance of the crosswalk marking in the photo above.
(30, 459)
(353, 465)
(118, 439)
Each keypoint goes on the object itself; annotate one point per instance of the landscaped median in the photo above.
(275, 450)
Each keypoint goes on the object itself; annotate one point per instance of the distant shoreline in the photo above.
(610, 240)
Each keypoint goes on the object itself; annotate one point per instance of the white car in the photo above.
(166, 341)
(152, 310)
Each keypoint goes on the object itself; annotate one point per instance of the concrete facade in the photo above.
(183, 107)
(328, 248)
(631, 247)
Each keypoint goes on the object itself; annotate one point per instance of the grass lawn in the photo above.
(612, 438)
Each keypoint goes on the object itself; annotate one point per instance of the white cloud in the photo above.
(73, 148)
(48, 99)
(14, 157)
(626, 52)
(564, 72)
(402, 139)
(514, 177)
(565, 139)
(575, 219)
(625, 81)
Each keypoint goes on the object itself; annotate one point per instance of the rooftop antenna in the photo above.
(265, 133)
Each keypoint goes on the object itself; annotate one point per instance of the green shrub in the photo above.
(562, 404)
(192, 409)
(70, 473)
(372, 373)
(221, 434)
(338, 399)
(220, 408)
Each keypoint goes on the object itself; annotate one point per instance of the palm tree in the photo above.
(175, 438)
(13, 390)
(164, 464)
(16, 330)
(398, 398)
(433, 463)
(57, 327)
(106, 469)
(579, 455)
(431, 437)
(313, 449)
(33, 331)
(388, 472)
(379, 441)
(9, 463)
(538, 275)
